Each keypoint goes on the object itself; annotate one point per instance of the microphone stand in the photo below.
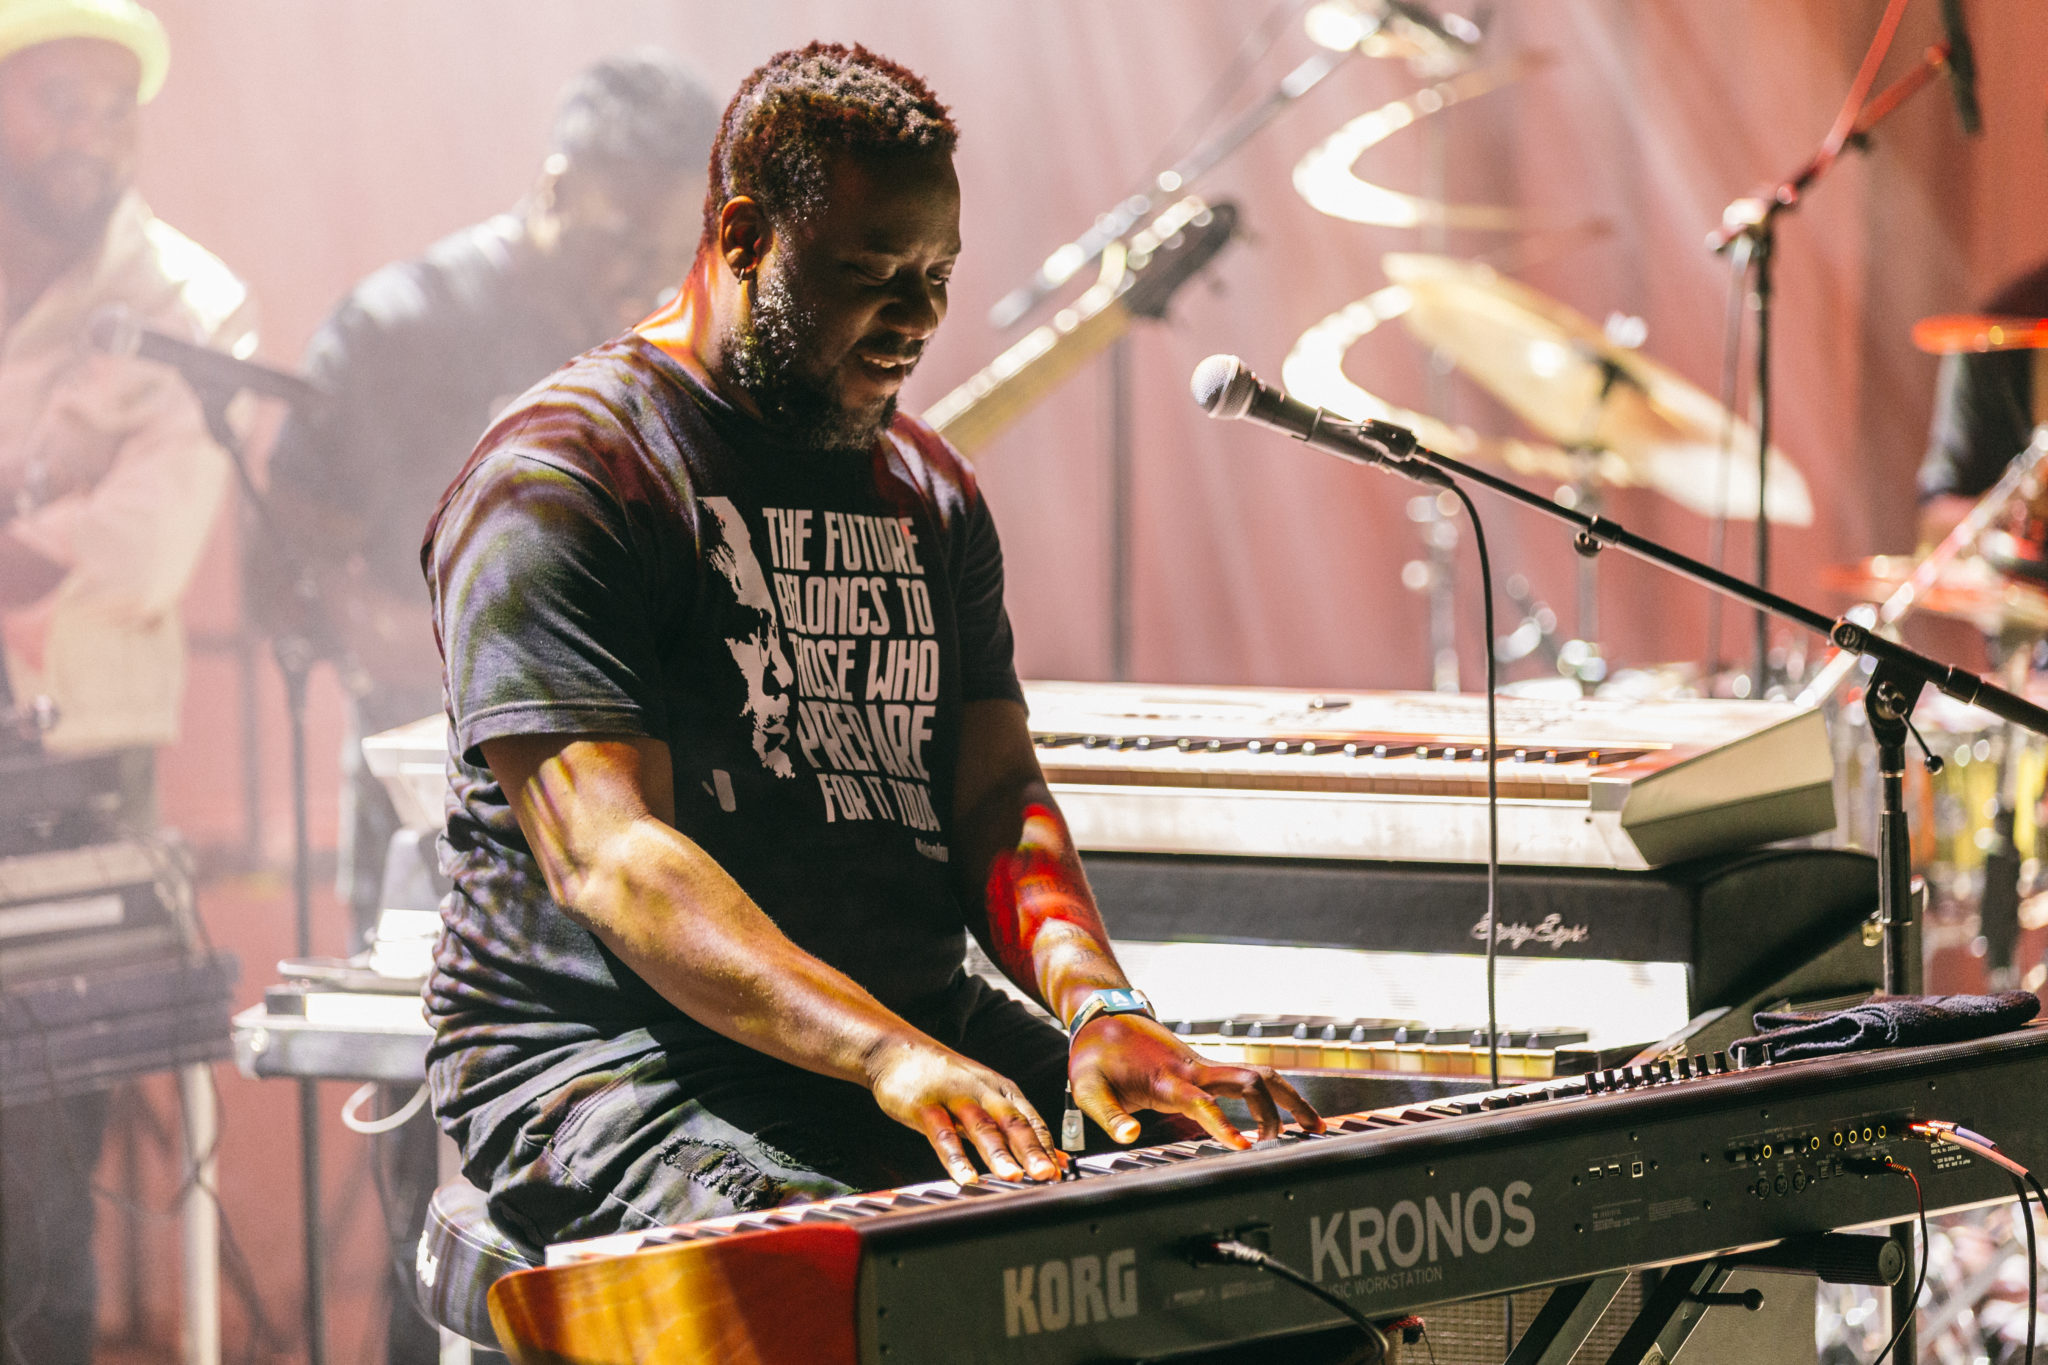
(1901, 672)
(1749, 226)
(296, 648)
(1890, 694)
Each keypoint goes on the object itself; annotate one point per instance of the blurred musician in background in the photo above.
(740, 746)
(111, 485)
(422, 354)
(420, 357)
(1986, 406)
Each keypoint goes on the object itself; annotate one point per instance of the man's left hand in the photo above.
(1122, 1062)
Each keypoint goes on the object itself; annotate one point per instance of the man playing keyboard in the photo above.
(740, 753)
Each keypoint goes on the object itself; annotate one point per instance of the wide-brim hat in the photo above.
(29, 23)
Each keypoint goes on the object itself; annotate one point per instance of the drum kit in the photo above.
(1608, 417)
(1600, 415)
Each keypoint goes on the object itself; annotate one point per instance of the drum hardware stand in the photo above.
(1998, 902)
(1580, 657)
(1437, 576)
(1120, 508)
(1753, 220)
(1925, 574)
(1537, 632)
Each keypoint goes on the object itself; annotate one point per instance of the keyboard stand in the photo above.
(1569, 1316)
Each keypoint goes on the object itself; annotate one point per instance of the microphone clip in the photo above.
(1397, 441)
(1394, 448)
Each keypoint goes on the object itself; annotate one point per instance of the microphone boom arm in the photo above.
(1396, 449)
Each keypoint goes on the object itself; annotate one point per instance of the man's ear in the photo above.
(744, 236)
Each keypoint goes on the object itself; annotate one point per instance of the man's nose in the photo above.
(916, 309)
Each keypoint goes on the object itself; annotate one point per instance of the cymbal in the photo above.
(1642, 424)
(1966, 589)
(1965, 333)
(1314, 373)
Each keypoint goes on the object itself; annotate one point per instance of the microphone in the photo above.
(116, 330)
(1962, 67)
(1226, 389)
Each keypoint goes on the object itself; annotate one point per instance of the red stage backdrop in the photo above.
(308, 142)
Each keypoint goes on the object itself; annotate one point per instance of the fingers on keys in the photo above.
(1098, 1102)
(1002, 1129)
(1185, 1097)
(945, 1140)
(1265, 1092)
(1291, 1100)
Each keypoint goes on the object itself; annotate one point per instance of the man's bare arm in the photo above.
(1013, 853)
(597, 813)
(1017, 860)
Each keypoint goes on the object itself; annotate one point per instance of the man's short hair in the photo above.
(799, 108)
(641, 109)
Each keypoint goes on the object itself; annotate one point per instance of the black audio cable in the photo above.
(1955, 1135)
(1492, 786)
(1880, 1165)
(2033, 1264)
(1231, 1251)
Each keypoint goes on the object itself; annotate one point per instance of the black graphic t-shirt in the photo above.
(627, 554)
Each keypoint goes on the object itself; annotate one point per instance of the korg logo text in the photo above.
(1058, 1294)
(1408, 1233)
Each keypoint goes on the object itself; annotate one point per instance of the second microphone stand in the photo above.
(1749, 229)
(297, 647)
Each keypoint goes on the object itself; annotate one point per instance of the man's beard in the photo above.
(27, 195)
(765, 353)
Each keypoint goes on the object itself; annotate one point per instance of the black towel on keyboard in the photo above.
(1889, 1021)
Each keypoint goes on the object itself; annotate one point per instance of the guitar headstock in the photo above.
(1171, 250)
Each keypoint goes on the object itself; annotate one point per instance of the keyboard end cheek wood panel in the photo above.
(781, 1300)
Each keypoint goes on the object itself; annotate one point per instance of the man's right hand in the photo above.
(943, 1095)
